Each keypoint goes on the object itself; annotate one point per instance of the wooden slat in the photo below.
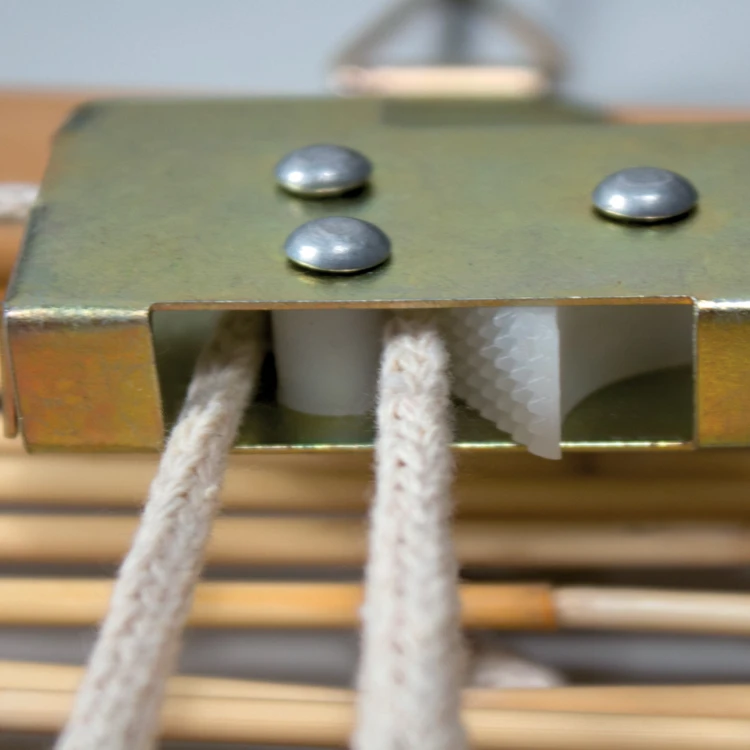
(67, 539)
(66, 602)
(330, 724)
(710, 701)
(27, 125)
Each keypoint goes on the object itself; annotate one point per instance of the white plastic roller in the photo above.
(327, 360)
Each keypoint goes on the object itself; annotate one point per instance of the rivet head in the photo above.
(338, 244)
(323, 170)
(645, 195)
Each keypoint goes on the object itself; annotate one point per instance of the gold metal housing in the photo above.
(171, 206)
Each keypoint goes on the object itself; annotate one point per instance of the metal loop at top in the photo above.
(355, 73)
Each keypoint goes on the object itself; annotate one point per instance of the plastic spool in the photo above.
(327, 360)
(526, 368)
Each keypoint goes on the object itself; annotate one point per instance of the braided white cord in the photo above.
(411, 666)
(118, 703)
(16, 200)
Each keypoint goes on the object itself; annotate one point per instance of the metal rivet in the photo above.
(645, 195)
(338, 244)
(322, 171)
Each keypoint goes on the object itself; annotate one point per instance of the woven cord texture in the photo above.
(118, 703)
(412, 658)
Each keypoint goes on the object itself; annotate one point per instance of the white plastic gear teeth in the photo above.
(506, 365)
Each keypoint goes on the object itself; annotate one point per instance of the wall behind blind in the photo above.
(637, 52)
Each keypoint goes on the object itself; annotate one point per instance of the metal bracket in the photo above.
(153, 214)
(355, 71)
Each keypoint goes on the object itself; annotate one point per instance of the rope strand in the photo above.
(411, 669)
(118, 703)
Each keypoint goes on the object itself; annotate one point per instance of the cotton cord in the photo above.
(118, 702)
(412, 657)
(17, 200)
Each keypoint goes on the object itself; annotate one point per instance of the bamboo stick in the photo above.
(710, 701)
(58, 538)
(329, 724)
(16, 675)
(81, 602)
(27, 124)
(342, 483)
(717, 701)
(643, 609)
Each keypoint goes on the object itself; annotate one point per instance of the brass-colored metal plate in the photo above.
(169, 205)
(628, 415)
(652, 410)
(175, 204)
(723, 369)
(60, 359)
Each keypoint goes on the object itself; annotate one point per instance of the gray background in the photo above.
(635, 52)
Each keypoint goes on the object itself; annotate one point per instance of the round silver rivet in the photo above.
(645, 195)
(323, 170)
(338, 244)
